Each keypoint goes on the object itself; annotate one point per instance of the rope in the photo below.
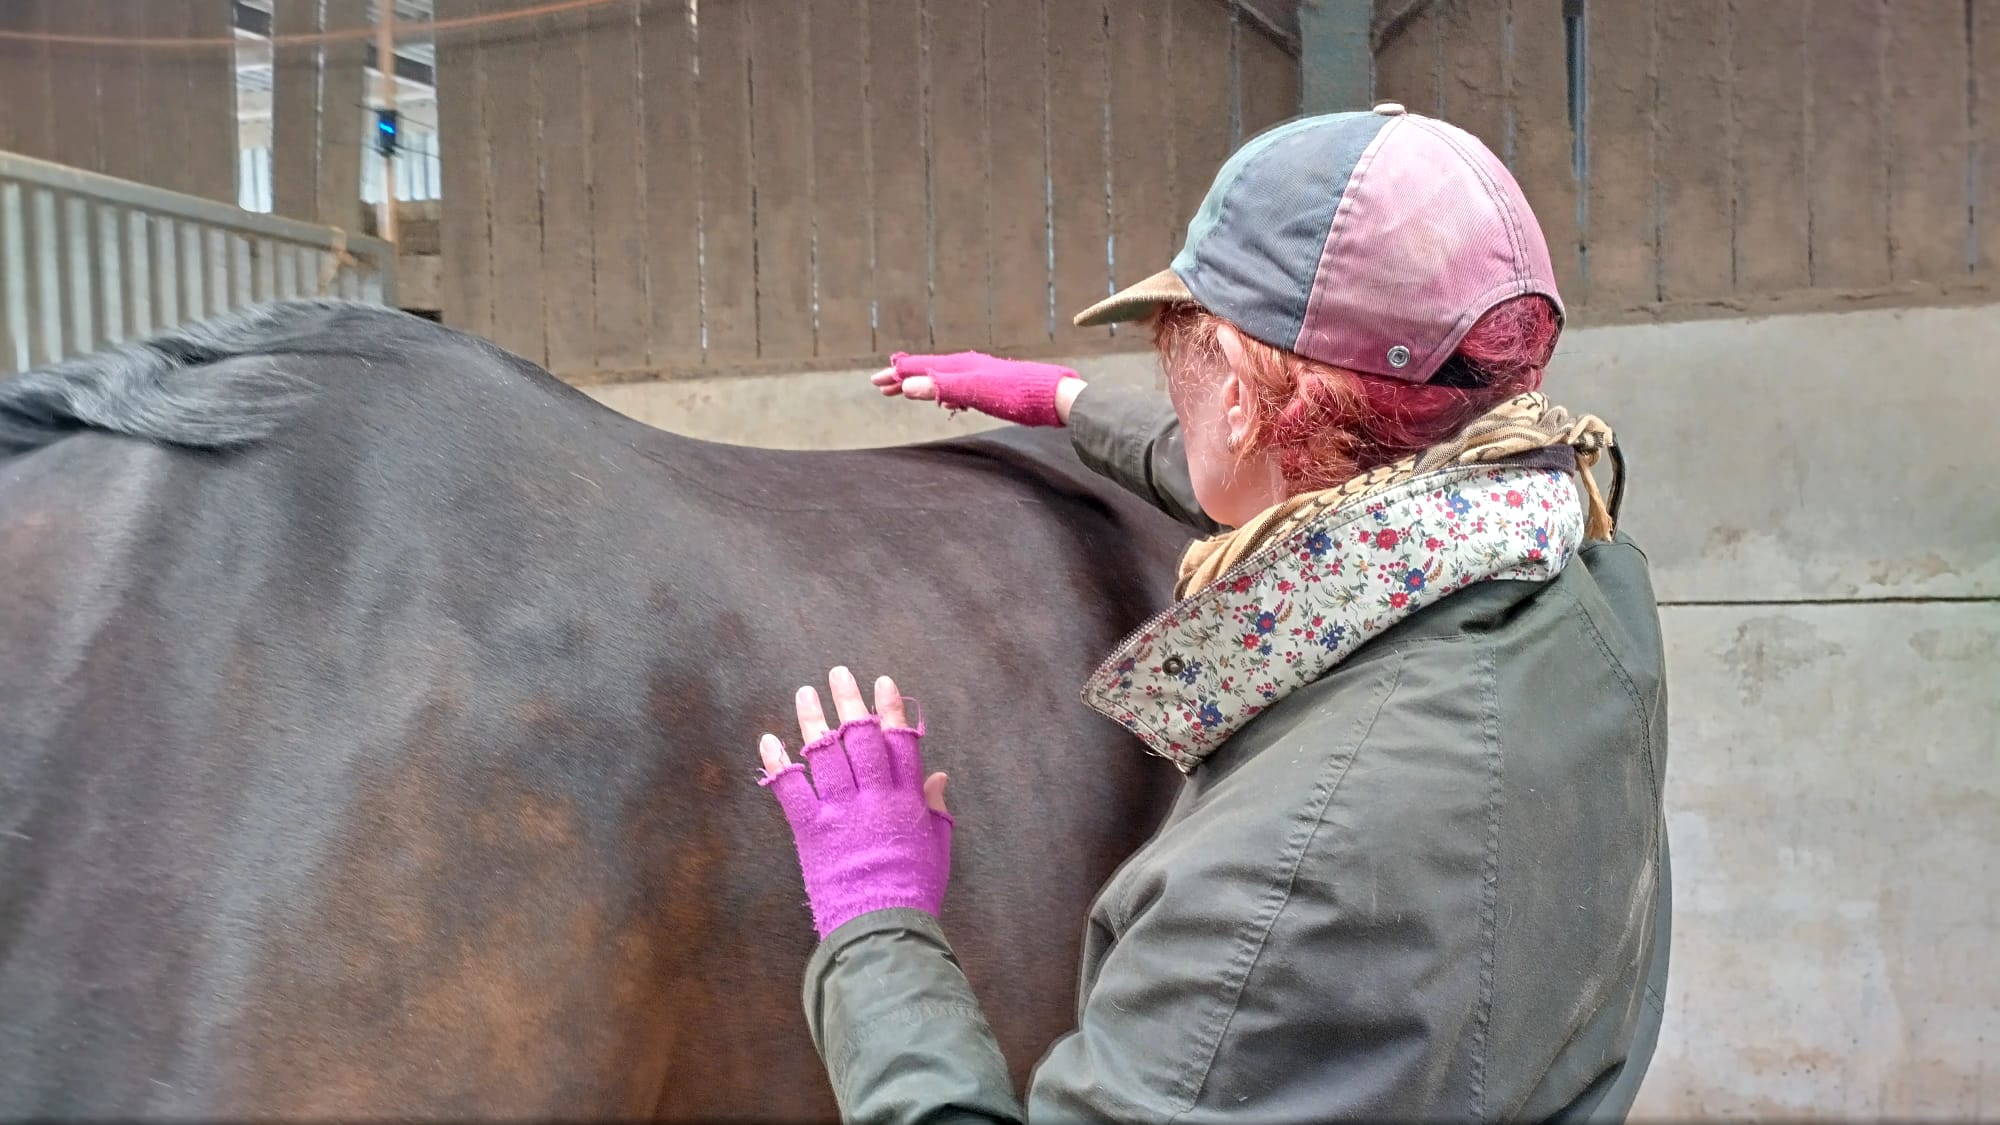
(413, 29)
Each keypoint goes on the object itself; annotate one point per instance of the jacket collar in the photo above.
(1290, 612)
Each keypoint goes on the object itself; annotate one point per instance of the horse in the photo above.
(378, 720)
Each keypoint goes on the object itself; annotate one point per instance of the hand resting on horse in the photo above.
(1012, 390)
(872, 832)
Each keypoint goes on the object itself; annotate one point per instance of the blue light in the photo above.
(385, 132)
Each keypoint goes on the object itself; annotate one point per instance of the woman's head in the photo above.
(1261, 423)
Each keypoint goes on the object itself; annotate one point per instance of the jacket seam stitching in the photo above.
(1252, 947)
(1631, 694)
(865, 1034)
(1489, 887)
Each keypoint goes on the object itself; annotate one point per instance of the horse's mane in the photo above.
(175, 388)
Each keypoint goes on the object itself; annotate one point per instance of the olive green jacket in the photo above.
(1431, 883)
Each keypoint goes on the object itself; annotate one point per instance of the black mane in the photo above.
(176, 388)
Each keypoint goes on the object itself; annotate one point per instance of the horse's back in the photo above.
(400, 761)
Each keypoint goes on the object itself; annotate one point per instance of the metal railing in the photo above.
(89, 260)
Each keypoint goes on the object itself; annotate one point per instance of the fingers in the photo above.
(889, 705)
(868, 756)
(888, 381)
(786, 781)
(934, 793)
(772, 752)
(846, 695)
(812, 720)
(922, 388)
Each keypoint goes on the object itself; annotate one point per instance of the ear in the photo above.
(1238, 396)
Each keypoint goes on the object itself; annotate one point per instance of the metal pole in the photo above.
(1336, 64)
(385, 65)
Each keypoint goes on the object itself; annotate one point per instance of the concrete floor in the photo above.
(1817, 494)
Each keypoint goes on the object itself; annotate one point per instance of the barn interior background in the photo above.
(1777, 223)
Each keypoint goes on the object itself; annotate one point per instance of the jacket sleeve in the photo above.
(895, 1021)
(1133, 438)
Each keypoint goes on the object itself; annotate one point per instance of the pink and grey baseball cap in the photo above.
(1370, 241)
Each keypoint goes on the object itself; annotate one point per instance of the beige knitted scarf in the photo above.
(1522, 424)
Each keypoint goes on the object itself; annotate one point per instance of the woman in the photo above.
(1417, 869)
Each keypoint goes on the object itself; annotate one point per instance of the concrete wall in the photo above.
(1817, 495)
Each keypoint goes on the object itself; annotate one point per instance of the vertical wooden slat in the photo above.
(110, 278)
(569, 323)
(729, 279)
(288, 272)
(1079, 179)
(1409, 66)
(462, 227)
(1986, 139)
(1145, 235)
(1847, 188)
(242, 285)
(121, 86)
(78, 260)
(1772, 232)
(781, 169)
(45, 236)
(1017, 185)
(958, 175)
(342, 98)
(1694, 144)
(140, 294)
(1470, 72)
(167, 303)
(164, 97)
(1198, 48)
(1621, 251)
(510, 108)
(194, 295)
(215, 261)
(1268, 81)
(617, 178)
(26, 117)
(14, 255)
(1544, 141)
(266, 286)
(898, 156)
(73, 102)
(674, 186)
(843, 280)
(1927, 145)
(294, 113)
(211, 98)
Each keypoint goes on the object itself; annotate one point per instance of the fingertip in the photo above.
(772, 752)
(934, 792)
(889, 704)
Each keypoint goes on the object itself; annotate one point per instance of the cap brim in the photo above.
(1136, 302)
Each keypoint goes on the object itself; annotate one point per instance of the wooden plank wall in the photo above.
(1757, 155)
(317, 93)
(642, 189)
(165, 117)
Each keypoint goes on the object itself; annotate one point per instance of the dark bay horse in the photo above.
(377, 723)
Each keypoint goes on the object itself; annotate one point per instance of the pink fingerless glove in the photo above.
(866, 839)
(1013, 390)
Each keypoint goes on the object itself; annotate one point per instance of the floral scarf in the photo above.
(1521, 425)
(1287, 613)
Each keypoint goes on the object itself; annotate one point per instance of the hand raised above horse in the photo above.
(1012, 390)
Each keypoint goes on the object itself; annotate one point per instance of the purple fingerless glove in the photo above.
(1013, 390)
(866, 839)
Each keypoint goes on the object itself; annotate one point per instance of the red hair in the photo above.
(1327, 424)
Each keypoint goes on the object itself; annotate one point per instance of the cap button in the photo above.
(1391, 109)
